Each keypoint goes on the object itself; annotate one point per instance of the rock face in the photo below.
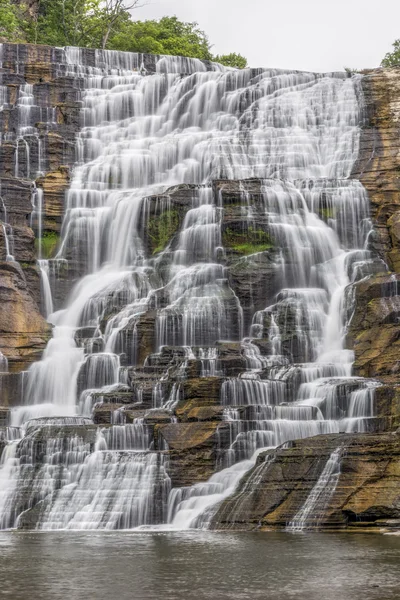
(23, 331)
(38, 123)
(366, 493)
(374, 329)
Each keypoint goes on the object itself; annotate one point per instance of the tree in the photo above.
(392, 59)
(63, 23)
(105, 24)
(112, 13)
(232, 60)
(78, 22)
(166, 36)
(10, 21)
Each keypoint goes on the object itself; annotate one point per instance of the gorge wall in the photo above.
(198, 401)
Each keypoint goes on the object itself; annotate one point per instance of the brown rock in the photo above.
(23, 331)
(368, 487)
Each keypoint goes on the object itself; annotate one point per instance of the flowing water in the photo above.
(319, 496)
(199, 566)
(298, 133)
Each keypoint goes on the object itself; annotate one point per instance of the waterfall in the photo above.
(313, 508)
(135, 253)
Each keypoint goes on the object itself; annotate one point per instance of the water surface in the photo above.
(198, 565)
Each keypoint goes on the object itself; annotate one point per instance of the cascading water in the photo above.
(298, 134)
(320, 495)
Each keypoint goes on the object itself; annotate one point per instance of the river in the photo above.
(199, 565)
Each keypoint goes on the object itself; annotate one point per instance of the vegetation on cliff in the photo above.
(11, 22)
(248, 241)
(105, 24)
(48, 244)
(392, 59)
(161, 229)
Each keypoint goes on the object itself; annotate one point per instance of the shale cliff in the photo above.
(374, 329)
(189, 398)
(34, 156)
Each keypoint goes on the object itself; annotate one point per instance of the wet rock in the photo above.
(54, 184)
(277, 487)
(192, 456)
(374, 330)
(23, 331)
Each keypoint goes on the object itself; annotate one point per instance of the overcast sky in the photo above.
(314, 35)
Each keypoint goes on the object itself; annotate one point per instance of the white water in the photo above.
(298, 133)
(313, 508)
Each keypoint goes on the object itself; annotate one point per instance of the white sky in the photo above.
(312, 35)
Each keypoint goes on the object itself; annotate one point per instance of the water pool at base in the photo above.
(199, 565)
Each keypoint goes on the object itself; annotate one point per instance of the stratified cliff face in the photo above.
(38, 122)
(365, 491)
(374, 329)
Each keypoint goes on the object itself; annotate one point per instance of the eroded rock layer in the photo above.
(363, 493)
(374, 330)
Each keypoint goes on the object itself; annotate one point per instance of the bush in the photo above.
(392, 59)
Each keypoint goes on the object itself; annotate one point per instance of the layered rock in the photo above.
(366, 493)
(374, 328)
(23, 331)
(38, 123)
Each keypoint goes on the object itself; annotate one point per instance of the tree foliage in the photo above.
(75, 22)
(392, 59)
(232, 60)
(166, 36)
(10, 21)
(106, 24)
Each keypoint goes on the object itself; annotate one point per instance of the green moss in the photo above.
(251, 248)
(249, 242)
(161, 228)
(326, 213)
(48, 244)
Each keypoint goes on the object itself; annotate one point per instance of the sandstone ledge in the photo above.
(368, 489)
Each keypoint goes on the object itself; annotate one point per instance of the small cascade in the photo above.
(230, 513)
(8, 485)
(45, 287)
(78, 479)
(114, 491)
(3, 363)
(7, 230)
(311, 513)
(37, 218)
(29, 141)
(136, 436)
(209, 362)
(193, 507)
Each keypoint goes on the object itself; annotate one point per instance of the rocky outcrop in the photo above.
(38, 123)
(379, 158)
(367, 492)
(23, 331)
(374, 328)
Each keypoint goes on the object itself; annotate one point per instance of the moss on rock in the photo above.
(247, 242)
(48, 244)
(161, 228)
